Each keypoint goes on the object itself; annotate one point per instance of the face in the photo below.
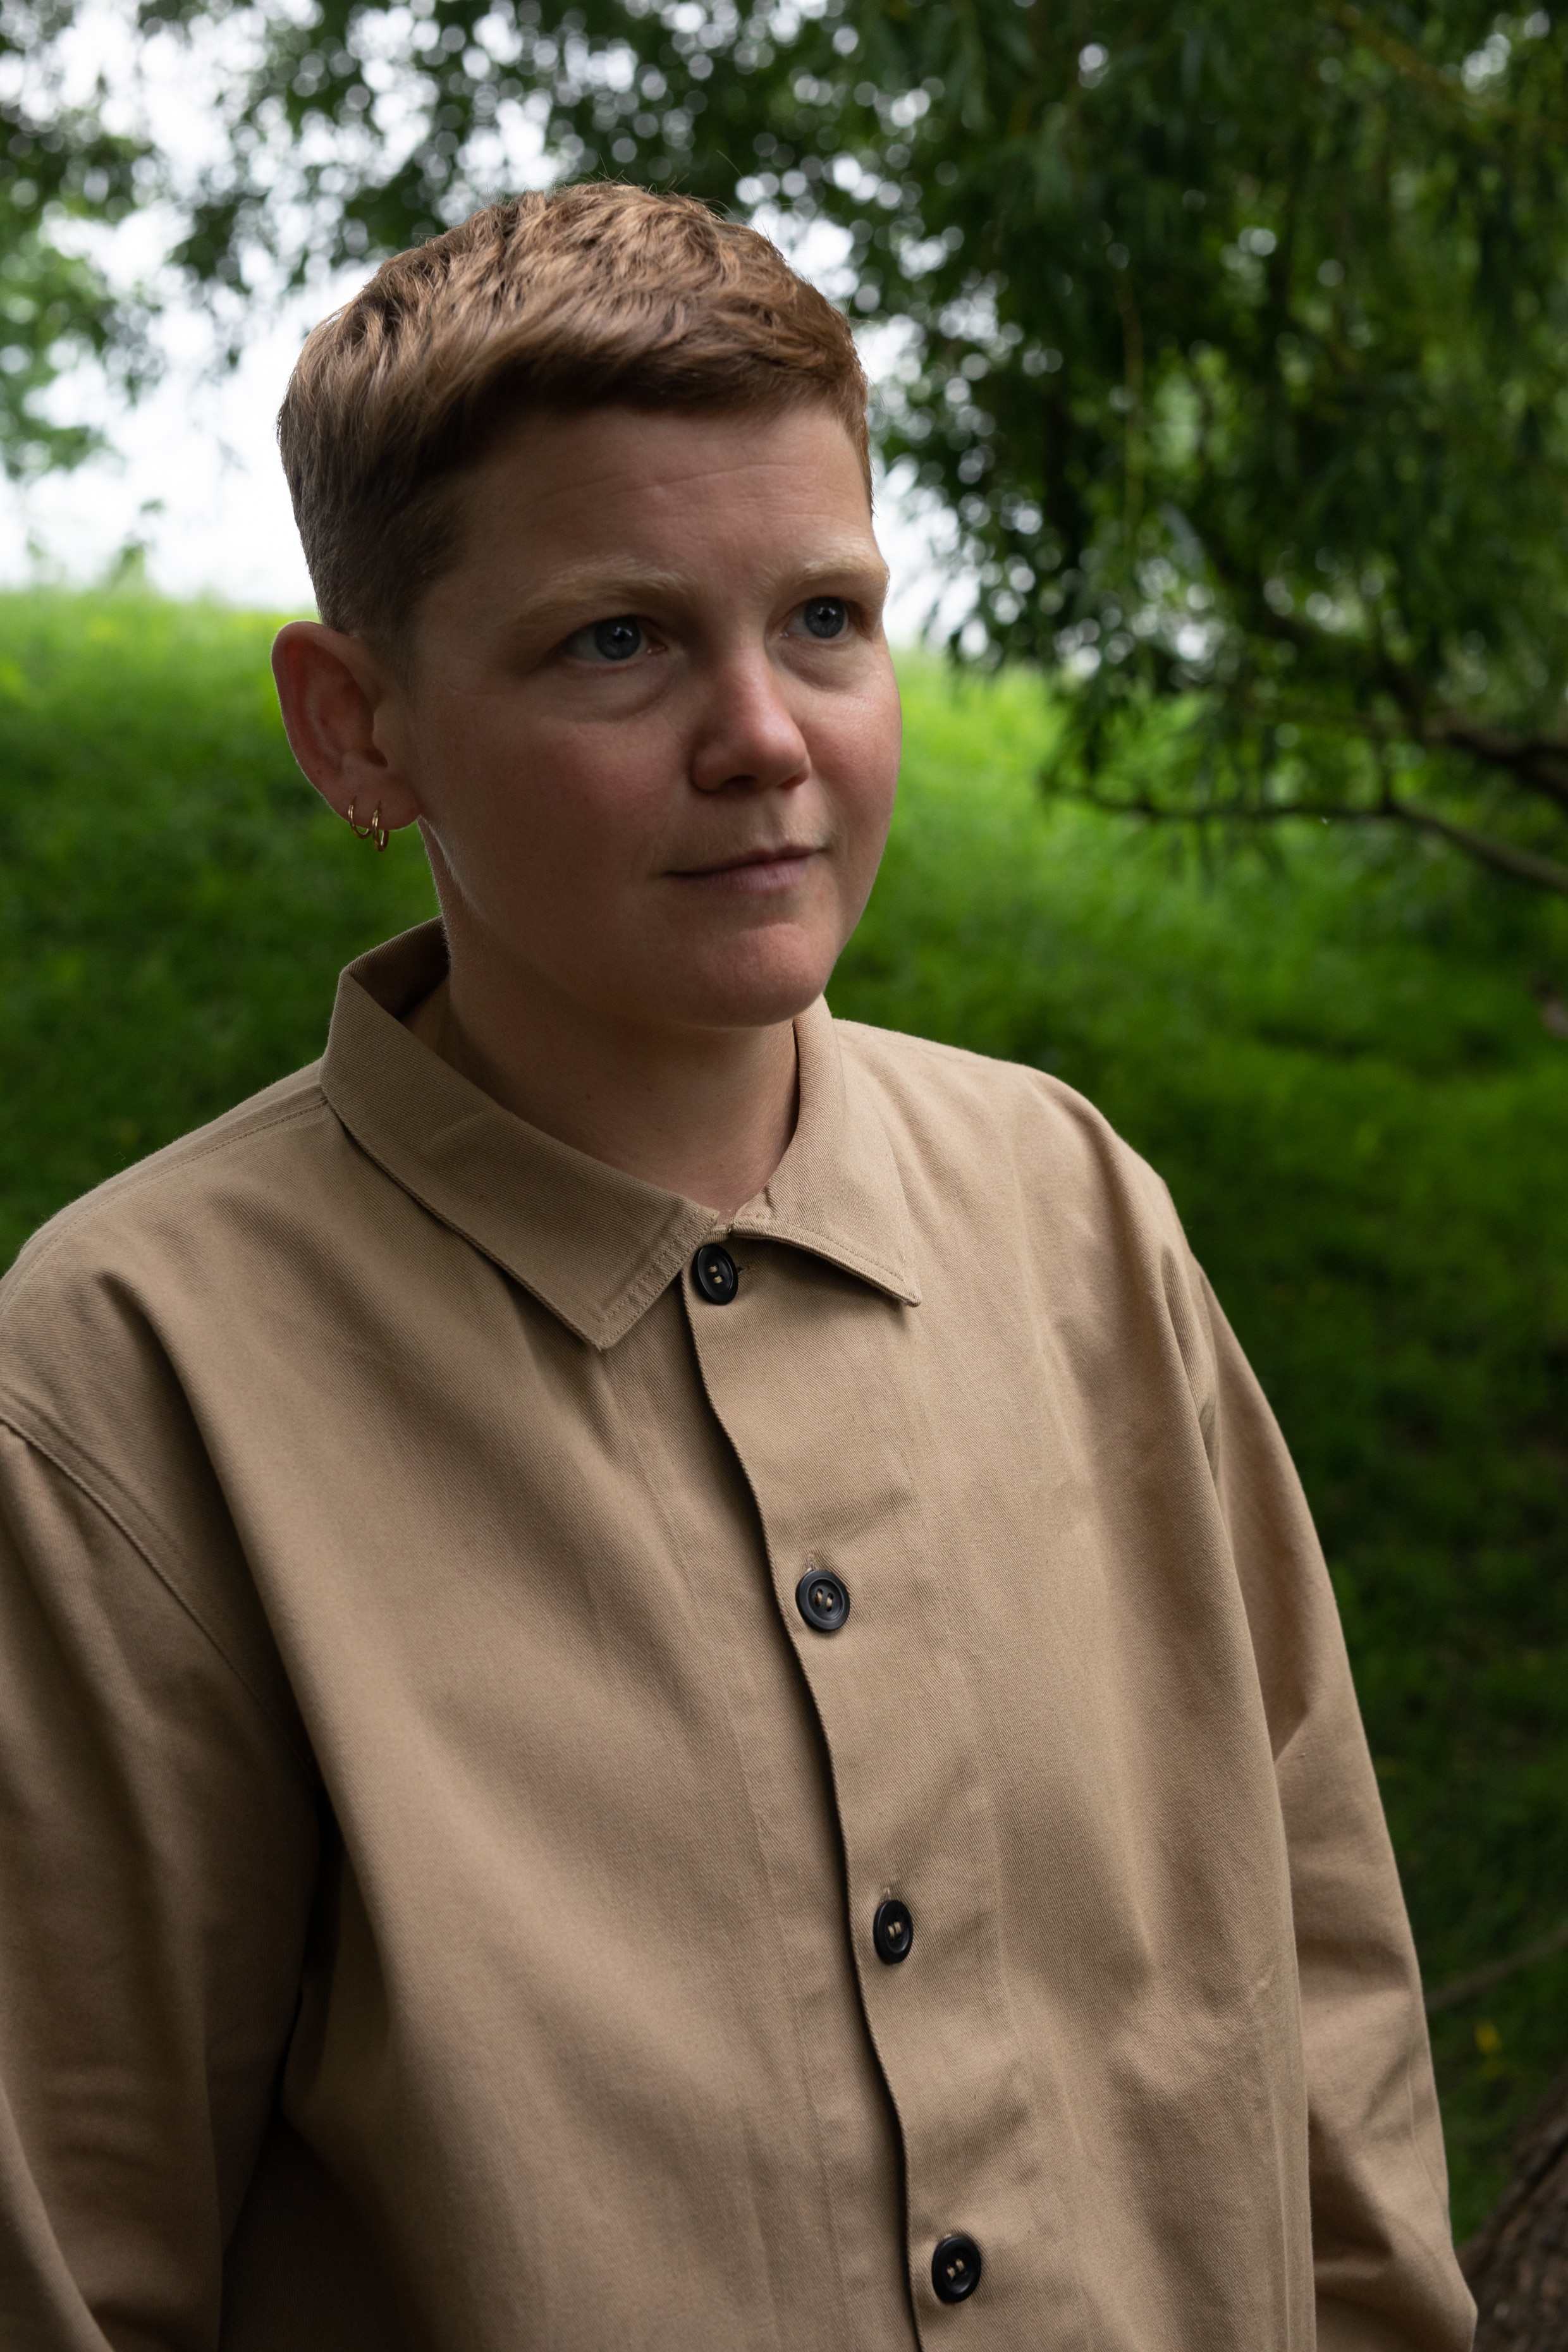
(650, 725)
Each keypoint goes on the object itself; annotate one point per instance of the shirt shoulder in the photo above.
(93, 1232)
(1002, 1126)
(105, 1478)
(1012, 1165)
(80, 1306)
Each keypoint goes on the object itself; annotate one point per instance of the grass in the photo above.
(1336, 1058)
(174, 903)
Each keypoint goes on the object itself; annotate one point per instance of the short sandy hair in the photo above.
(589, 295)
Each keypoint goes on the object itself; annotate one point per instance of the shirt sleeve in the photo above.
(1387, 2279)
(158, 1856)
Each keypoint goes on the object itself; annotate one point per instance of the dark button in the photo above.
(822, 1599)
(713, 1270)
(955, 2268)
(892, 1930)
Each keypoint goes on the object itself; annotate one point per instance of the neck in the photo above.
(708, 1114)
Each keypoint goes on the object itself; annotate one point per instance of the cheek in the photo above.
(554, 809)
(861, 759)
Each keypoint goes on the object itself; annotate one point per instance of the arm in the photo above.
(1386, 2276)
(158, 1853)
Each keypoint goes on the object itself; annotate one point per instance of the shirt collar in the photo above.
(592, 1244)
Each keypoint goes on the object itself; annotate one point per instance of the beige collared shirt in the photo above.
(439, 1860)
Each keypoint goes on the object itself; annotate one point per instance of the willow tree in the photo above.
(1232, 339)
(58, 166)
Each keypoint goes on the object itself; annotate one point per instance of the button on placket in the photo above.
(716, 1274)
(955, 2268)
(822, 1599)
(893, 1931)
(806, 1383)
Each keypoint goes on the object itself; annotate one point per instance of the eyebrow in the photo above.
(607, 587)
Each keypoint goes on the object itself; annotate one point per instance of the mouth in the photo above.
(753, 873)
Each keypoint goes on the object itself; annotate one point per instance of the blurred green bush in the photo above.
(1346, 1062)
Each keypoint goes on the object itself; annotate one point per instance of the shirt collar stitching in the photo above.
(378, 1079)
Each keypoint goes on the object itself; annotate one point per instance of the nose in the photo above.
(748, 738)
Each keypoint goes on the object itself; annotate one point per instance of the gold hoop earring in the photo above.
(375, 830)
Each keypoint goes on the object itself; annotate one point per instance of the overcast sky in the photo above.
(195, 472)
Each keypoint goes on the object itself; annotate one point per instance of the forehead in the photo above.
(617, 479)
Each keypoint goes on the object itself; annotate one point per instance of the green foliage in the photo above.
(1350, 1091)
(175, 904)
(1364, 1121)
(1235, 338)
(57, 164)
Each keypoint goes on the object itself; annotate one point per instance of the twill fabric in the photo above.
(439, 1855)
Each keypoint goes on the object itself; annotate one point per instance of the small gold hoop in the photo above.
(375, 830)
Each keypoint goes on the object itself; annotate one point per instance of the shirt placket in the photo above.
(808, 1372)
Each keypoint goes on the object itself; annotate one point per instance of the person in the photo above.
(665, 1683)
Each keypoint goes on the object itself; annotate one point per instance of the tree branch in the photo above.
(1466, 104)
(1502, 857)
(1460, 1988)
(1539, 763)
(1520, 864)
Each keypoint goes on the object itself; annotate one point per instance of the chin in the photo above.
(759, 995)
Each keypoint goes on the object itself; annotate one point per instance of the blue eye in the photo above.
(826, 616)
(609, 641)
(618, 640)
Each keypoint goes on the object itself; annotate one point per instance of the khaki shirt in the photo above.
(438, 1859)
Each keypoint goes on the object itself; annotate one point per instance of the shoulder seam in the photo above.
(135, 1180)
(1056, 1090)
(942, 1050)
(301, 1754)
(926, 1044)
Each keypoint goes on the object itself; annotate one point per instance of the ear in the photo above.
(333, 690)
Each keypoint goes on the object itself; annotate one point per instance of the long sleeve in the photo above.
(158, 1852)
(1387, 2277)
(381, 1475)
